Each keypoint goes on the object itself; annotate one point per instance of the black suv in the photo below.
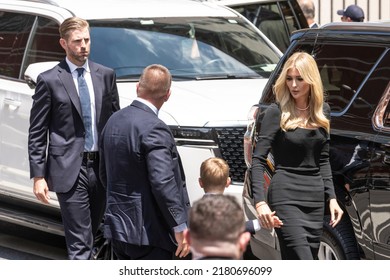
(354, 62)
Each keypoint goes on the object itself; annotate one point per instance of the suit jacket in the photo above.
(56, 133)
(141, 168)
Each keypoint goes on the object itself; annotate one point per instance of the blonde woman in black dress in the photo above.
(296, 130)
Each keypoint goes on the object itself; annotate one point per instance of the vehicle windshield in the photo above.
(191, 48)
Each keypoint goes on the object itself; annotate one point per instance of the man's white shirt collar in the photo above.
(147, 103)
(73, 66)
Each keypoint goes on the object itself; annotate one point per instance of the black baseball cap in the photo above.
(352, 11)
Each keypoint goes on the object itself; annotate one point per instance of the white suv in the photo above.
(219, 61)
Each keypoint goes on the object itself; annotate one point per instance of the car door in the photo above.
(30, 39)
(379, 184)
(369, 112)
(15, 103)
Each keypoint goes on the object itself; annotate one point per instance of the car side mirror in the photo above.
(34, 69)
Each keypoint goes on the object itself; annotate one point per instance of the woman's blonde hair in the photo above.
(307, 67)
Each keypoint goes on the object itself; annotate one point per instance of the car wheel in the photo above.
(338, 243)
(329, 249)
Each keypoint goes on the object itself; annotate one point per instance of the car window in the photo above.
(44, 44)
(275, 20)
(373, 96)
(380, 86)
(343, 69)
(192, 48)
(14, 33)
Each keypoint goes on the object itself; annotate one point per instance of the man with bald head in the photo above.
(147, 200)
(308, 10)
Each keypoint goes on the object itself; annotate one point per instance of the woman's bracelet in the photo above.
(261, 204)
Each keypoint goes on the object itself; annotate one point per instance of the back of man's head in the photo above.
(308, 8)
(154, 83)
(352, 13)
(216, 228)
(216, 218)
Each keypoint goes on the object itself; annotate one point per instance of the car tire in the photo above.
(338, 243)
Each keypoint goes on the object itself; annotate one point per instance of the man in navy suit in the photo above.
(64, 133)
(147, 200)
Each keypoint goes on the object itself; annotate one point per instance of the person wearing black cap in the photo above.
(353, 13)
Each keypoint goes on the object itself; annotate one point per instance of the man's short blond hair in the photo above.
(70, 24)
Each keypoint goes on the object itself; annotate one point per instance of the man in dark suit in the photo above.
(70, 108)
(147, 200)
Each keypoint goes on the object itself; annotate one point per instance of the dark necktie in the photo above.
(85, 108)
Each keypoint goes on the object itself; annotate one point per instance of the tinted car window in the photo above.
(276, 21)
(192, 48)
(368, 98)
(14, 33)
(381, 118)
(45, 43)
(343, 70)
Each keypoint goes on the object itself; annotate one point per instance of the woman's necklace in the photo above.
(302, 109)
(302, 116)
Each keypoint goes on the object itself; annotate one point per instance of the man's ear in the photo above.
(187, 236)
(200, 182)
(167, 95)
(137, 88)
(63, 43)
(228, 181)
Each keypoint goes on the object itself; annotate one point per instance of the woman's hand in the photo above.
(335, 212)
(266, 217)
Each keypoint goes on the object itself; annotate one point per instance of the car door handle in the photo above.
(12, 103)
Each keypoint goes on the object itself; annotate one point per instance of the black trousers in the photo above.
(82, 210)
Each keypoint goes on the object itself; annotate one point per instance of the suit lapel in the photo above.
(97, 79)
(67, 80)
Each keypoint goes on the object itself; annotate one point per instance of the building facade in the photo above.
(374, 10)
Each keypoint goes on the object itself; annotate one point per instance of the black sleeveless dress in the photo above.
(300, 185)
